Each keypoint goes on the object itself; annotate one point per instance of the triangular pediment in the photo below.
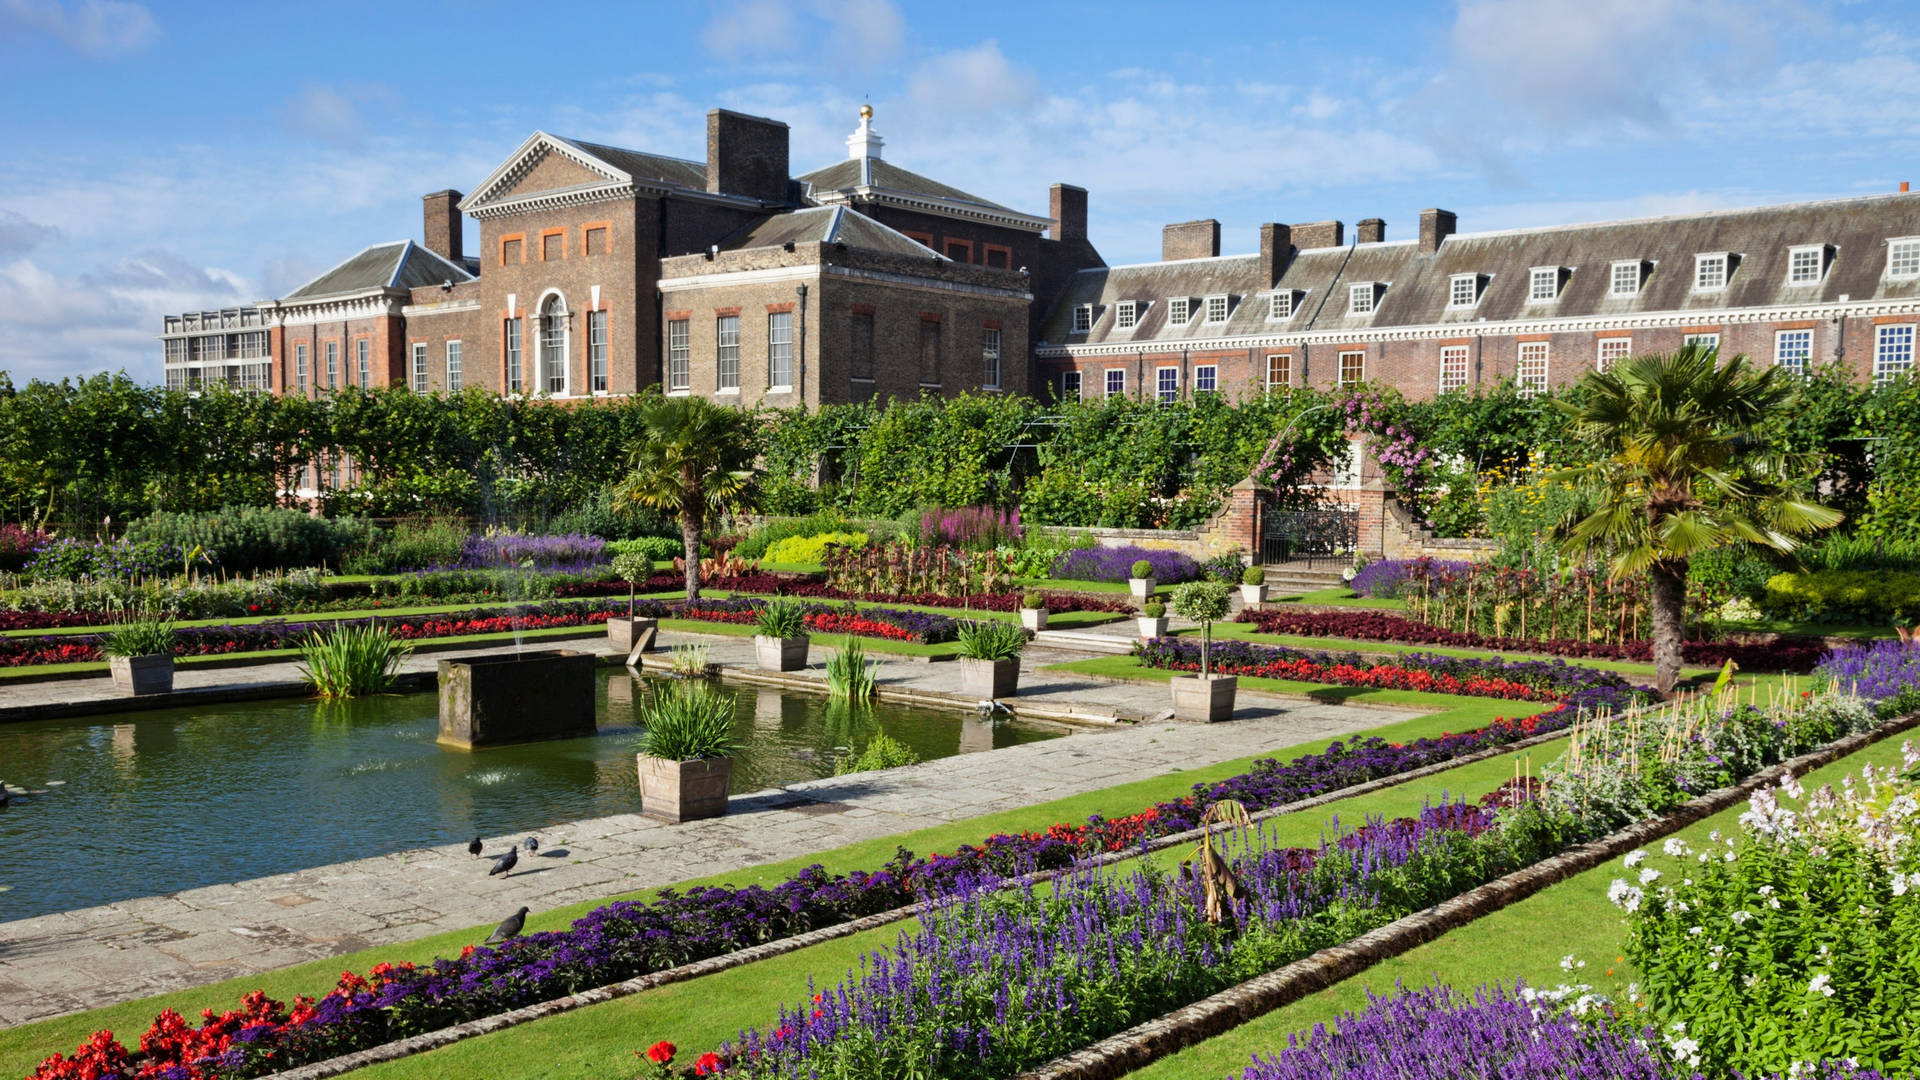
(544, 163)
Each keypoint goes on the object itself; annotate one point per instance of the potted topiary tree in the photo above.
(623, 634)
(1141, 583)
(1205, 697)
(140, 656)
(1033, 612)
(1152, 620)
(685, 752)
(780, 635)
(1253, 585)
(990, 659)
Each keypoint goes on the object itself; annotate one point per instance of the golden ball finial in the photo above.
(866, 112)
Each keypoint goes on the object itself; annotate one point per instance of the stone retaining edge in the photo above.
(434, 1040)
(1163, 1036)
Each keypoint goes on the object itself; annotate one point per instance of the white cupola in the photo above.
(865, 143)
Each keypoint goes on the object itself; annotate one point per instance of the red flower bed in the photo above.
(834, 622)
(1381, 676)
(810, 589)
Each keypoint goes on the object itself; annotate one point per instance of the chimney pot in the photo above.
(1190, 240)
(1903, 187)
(444, 225)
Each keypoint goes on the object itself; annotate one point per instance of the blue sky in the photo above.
(174, 156)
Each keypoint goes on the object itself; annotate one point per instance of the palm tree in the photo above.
(694, 461)
(1682, 476)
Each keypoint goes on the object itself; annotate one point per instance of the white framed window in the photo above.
(1082, 318)
(1709, 342)
(1126, 315)
(1543, 283)
(553, 345)
(1360, 296)
(1531, 373)
(1280, 306)
(176, 350)
(1216, 309)
(419, 367)
(363, 363)
(1453, 367)
(990, 358)
(454, 376)
(679, 357)
(516, 380)
(726, 353)
(1903, 257)
(1612, 350)
(780, 350)
(1279, 370)
(1710, 271)
(1464, 291)
(1806, 264)
(597, 351)
(1793, 350)
(1166, 384)
(1892, 352)
(1626, 278)
(1116, 382)
(1179, 311)
(300, 367)
(333, 365)
(1206, 378)
(1070, 386)
(1353, 367)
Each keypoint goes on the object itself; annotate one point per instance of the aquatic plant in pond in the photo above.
(351, 661)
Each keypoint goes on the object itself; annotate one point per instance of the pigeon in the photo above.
(474, 847)
(533, 843)
(509, 928)
(504, 864)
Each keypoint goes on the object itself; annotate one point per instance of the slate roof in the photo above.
(401, 264)
(844, 176)
(1416, 286)
(825, 225)
(644, 166)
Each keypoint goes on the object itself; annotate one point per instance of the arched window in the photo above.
(553, 344)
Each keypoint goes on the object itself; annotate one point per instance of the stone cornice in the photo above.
(907, 200)
(372, 304)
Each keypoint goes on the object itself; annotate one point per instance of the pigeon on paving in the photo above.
(504, 864)
(533, 843)
(509, 928)
(474, 847)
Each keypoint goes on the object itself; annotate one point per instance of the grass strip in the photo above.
(1248, 632)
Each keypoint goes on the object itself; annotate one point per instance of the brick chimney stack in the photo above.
(1435, 226)
(1373, 230)
(1190, 240)
(1319, 234)
(444, 225)
(1067, 205)
(1276, 247)
(746, 155)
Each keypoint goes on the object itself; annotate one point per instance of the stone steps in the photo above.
(1087, 641)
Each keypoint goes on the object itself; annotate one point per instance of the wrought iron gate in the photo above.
(1324, 538)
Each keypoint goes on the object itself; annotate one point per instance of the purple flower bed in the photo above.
(1382, 578)
(1886, 673)
(571, 552)
(1116, 564)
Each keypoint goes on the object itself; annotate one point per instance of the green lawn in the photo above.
(23, 1047)
(1338, 596)
(1463, 713)
(1248, 632)
(1526, 940)
(1073, 585)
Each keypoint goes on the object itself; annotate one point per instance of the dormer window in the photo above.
(1082, 318)
(1465, 291)
(1180, 310)
(1626, 278)
(1126, 315)
(1710, 271)
(1543, 283)
(1280, 306)
(1806, 264)
(1360, 297)
(1903, 257)
(1217, 309)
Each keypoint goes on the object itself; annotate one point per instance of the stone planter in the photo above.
(1253, 594)
(781, 653)
(1151, 628)
(1142, 587)
(516, 697)
(623, 633)
(1033, 618)
(1204, 699)
(677, 791)
(136, 676)
(989, 680)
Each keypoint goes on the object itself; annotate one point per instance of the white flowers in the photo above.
(1696, 931)
(1568, 963)
(1819, 985)
(1675, 847)
(1625, 896)
(1649, 876)
(1635, 858)
(1901, 881)
(1766, 890)
(1740, 917)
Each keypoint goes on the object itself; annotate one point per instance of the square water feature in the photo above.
(516, 698)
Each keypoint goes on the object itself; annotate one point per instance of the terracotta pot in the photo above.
(1142, 587)
(677, 791)
(1253, 594)
(1034, 619)
(989, 680)
(1204, 699)
(782, 654)
(1151, 628)
(136, 676)
(623, 632)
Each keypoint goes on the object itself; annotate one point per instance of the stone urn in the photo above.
(624, 633)
(989, 680)
(1253, 594)
(137, 676)
(781, 653)
(1034, 618)
(1151, 627)
(1204, 699)
(677, 791)
(1141, 587)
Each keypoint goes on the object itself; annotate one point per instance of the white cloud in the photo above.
(98, 28)
(19, 235)
(750, 29)
(105, 318)
(860, 34)
(331, 114)
(976, 80)
(867, 33)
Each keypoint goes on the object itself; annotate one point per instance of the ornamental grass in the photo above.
(351, 661)
(687, 720)
(849, 675)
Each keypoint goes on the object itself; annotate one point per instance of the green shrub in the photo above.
(492, 584)
(883, 751)
(1853, 551)
(812, 549)
(1032, 601)
(413, 544)
(1154, 609)
(1142, 569)
(264, 594)
(651, 548)
(1844, 596)
(351, 661)
(687, 720)
(247, 538)
(147, 637)
(991, 640)
(755, 545)
(1253, 575)
(780, 619)
(1728, 573)
(595, 516)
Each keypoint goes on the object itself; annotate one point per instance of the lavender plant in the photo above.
(1116, 564)
(1887, 673)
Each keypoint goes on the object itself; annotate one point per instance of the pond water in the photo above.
(138, 804)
